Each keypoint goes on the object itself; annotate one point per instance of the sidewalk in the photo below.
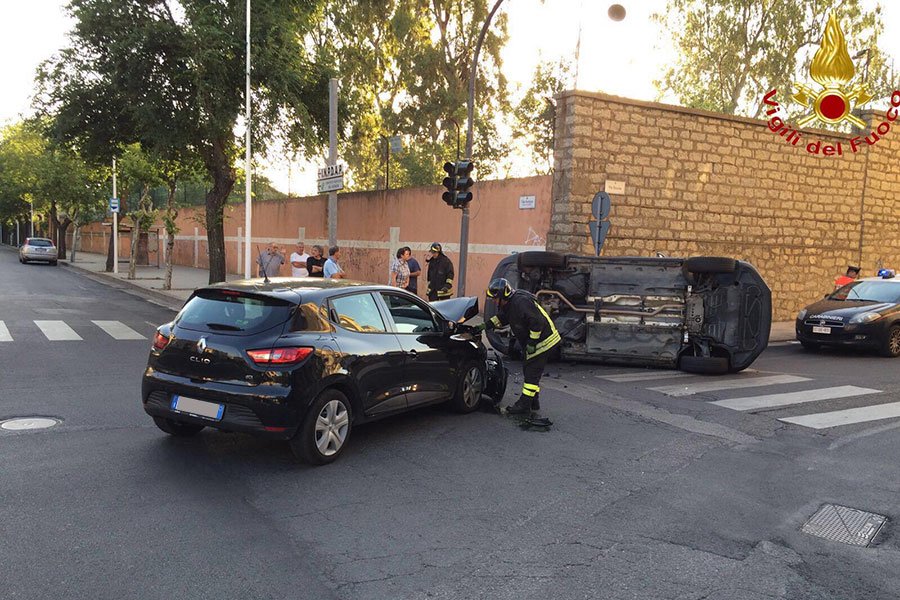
(148, 280)
(186, 279)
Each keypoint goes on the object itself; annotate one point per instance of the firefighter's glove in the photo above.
(480, 327)
(530, 349)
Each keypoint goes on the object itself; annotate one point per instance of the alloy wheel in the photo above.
(473, 385)
(332, 426)
(894, 341)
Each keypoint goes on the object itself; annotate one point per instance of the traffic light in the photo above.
(458, 182)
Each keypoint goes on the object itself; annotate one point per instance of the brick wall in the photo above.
(700, 183)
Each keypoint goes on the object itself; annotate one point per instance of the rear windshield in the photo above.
(223, 311)
(877, 291)
(41, 243)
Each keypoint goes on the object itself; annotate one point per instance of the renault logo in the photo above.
(201, 345)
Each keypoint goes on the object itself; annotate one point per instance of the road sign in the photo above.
(599, 231)
(331, 184)
(331, 171)
(601, 206)
(114, 205)
(614, 187)
(396, 144)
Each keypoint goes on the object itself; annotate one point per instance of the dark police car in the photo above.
(864, 313)
(308, 359)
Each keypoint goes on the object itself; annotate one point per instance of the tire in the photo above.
(810, 346)
(469, 388)
(891, 345)
(703, 365)
(710, 264)
(24, 261)
(53, 262)
(325, 431)
(177, 428)
(550, 260)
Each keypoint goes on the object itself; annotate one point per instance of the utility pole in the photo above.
(332, 158)
(464, 226)
(115, 225)
(248, 168)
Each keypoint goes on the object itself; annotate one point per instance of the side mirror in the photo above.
(449, 327)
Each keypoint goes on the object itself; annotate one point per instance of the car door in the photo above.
(369, 351)
(429, 373)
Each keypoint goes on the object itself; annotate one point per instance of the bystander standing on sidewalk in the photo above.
(270, 261)
(298, 261)
(400, 269)
(332, 268)
(315, 264)
(415, 269)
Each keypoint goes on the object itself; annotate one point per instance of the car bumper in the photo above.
(862, 336)
(270, 413)
(48, 256)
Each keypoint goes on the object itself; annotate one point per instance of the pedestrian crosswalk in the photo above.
(686, 385)
(61, 331)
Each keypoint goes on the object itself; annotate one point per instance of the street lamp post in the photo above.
(248, 211)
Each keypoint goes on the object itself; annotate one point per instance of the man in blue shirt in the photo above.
(332, 269)
(414, 271)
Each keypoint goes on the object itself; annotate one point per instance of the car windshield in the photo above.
(227, 311)
(40, 243)
(875, 291)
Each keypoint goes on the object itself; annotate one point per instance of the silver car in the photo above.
(38, 249)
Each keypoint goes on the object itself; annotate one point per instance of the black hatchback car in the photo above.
(308, 359)
(864, 313)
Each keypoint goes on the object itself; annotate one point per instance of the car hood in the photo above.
(838, 310)
(457, 309)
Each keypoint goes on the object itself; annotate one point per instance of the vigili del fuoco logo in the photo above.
(834, 98)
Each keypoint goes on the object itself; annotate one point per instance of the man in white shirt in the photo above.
(298, 262)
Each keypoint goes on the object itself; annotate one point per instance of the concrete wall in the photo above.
(700, 183)
(372, 225)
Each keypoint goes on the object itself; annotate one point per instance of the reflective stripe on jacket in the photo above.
(529, 322)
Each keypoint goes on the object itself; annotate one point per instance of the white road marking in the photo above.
(643, 376)
(717, 384)
(846, 417)
(57, 331)
(770, 401)
(4, 333)
(118, 330)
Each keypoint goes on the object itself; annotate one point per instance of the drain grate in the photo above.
(843, 524)
(24, 423)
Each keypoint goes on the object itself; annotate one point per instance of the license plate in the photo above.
(198, 408)
(817, 329)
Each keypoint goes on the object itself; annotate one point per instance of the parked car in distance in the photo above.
(702, 314)
(40, 249)
(865, 313)
(307, 360)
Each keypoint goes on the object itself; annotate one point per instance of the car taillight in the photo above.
(279, 356)
(160, 341)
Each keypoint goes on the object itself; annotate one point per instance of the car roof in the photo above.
(312, 288)
(32, 239)
(893, 280)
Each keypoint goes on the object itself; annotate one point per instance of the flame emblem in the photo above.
(833, 70)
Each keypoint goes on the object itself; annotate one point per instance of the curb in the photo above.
(153, 296)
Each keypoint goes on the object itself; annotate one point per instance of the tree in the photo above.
(170, 73)
(405, 67)
(535, 113)
(731, 52)
(138, 171)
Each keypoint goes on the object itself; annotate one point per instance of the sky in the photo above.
(621, 58)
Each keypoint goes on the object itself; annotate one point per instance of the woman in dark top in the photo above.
(315, 264)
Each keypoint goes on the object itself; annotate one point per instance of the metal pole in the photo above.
(115, 226)
(464, 225)
(332, 159)
(248, 169)
(387, 163)
(31, 228)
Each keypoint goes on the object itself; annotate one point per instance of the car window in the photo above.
(40, 243)
(358, 313)
(408, 316)
(877, 291)
(230, 312)
(311, 317)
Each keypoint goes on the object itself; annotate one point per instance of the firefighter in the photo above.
(533, 329)
(440, 274)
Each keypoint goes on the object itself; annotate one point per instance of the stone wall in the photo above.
(701, 183)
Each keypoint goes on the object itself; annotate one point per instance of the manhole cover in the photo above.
(842, 524)
(23, 423)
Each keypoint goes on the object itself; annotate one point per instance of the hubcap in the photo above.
(472, 387)
(331, 427)
(894, 342)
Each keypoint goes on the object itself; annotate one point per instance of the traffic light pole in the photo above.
(470, 129)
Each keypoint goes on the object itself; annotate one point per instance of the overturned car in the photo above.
(701, 314)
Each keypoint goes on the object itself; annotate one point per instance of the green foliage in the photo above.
(535, 113)
(404, 67)
(731, 52)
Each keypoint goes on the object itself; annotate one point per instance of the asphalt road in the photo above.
(644, 488)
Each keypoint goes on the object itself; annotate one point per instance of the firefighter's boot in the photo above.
(521, 407)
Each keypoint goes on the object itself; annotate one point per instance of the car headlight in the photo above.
(801, 315)
(866, 317)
